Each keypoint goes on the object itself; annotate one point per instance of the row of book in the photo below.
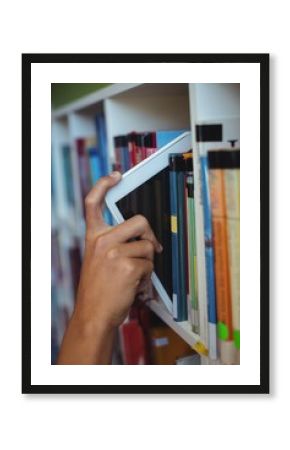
(220, 187)
(224, 189)
(144, 339)
(168, 201)
(92, 162)
(134, 147)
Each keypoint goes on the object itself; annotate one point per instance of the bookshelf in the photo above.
(140, 107)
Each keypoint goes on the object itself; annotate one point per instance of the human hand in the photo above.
(114, 268)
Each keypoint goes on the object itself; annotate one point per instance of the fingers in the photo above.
(142, 269)
(136, 227)
(95, 200)
(137, 249)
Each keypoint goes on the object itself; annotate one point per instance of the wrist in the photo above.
(91, 325)
(86, 342)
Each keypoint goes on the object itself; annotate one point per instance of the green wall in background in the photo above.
(63, 93)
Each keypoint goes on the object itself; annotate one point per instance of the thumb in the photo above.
(95, 200)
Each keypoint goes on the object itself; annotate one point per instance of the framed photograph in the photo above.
(143, 248)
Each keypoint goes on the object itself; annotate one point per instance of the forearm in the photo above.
(86, 343)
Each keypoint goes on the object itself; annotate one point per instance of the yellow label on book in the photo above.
(200, 348)
(174, 224)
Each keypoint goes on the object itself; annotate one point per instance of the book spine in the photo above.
(165, 237)
(178, 220)
(126, 158)
(132, 149)
(192, 274)
(68, 176)
(174, 242)
(200, 248)
(139, 152)
(132, 343)
(149, 144)
(95, 165)
(209, 259)
(118, 156)
(181, 217)
(232, 188)
(223, 295)
(102, 143)
(84, 168)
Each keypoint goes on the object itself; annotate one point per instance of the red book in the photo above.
(118, 157)
(139, 148)
(84, 168)
(132, 147)
(132, 343)
(149, 144)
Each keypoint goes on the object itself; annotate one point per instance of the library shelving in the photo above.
(126, 107)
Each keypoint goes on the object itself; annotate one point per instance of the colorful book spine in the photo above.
(125, 153)
(102, 142)
(132, 343)
(232, 189)
(216, 160)
(122, 157)
(95, 165)
(206, 135)
(209, 259)
(118, 156)
(132, 149)
(149, 144)
(139, 149)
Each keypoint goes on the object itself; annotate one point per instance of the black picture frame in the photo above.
(263, 61)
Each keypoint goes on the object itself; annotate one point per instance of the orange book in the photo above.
(167, 346)
(220, 241)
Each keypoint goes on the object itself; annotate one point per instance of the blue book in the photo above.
(125, 156)
(102, 143)
(95, 165)
(68, 176)
(103, 154)
(178, 230)
(209, 250)
(163, 137)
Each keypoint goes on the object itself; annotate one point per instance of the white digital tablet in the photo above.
(144, 189)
